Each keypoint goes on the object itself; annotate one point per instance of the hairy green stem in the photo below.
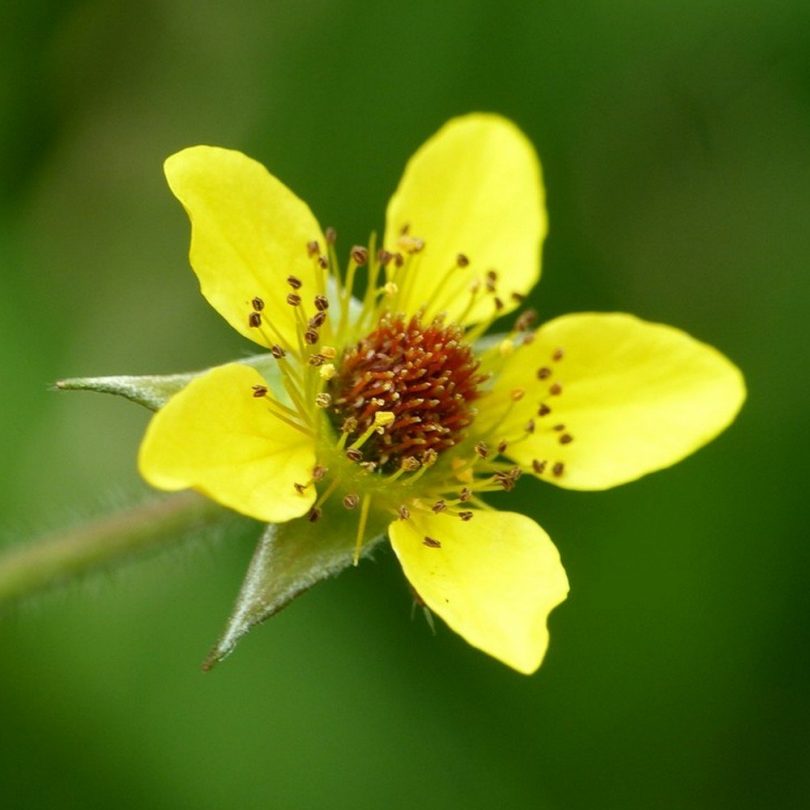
(61, 556)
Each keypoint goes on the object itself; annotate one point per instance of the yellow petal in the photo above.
(249, 232)
(217, 438)
(493, 579)
(635, 397)
(475, 189)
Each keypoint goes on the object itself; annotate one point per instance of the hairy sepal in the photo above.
(154, 391)
(289, 559)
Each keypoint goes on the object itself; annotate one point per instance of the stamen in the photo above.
(430, 542)
(361, 528)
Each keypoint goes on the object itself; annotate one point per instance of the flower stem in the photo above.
(58, 557)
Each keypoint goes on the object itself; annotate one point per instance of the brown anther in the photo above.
(543, 373)
(293, 299)
(566, 438)
(555, 390)
(492, 276)
(410, 464)
(323, 262)
(465, 494)
(525, 320)
(539, 467)
(354, 455)
(259, 391)
(384, 257)
(404, 512)
(318, 472)
(314, 514)
(429, 457)
(462, 260)
(277, 351)
(313, 248)
(517, 394)
(255, 319)
(431, 543)
(529, 338)
(558, 469)
(530, 426)
(317, 320)
(294, 282)
(311, 337)
(323, 400)
(439, 506)
(316, 360)
(369, 466)
(558, 355)
(300, 488)
(505, 479)
(329, 352)
(465, 515)
(517, 297)
(399, 259)
(481, 450)
(543, 410)
(359, 255)
(498, 303)
(257, 304)
(330, 234)
(502, 445)
(351, 500)
(321, 303)
(405, 229)
(558, 427)
(349, 425)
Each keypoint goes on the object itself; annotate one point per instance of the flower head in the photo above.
(393, 407)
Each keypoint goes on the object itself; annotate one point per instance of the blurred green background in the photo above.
(675, 138)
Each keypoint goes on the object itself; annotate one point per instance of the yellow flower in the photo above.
(392, 408)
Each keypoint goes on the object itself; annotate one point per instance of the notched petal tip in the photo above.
(248, 233)
(494, 579)
(615, 397)
(473, 190)
(216, 437)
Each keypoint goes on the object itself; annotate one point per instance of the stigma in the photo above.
(424, 374)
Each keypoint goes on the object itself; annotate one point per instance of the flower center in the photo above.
(425, 375)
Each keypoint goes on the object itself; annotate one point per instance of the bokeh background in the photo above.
(675, 138)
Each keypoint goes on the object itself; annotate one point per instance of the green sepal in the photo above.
(289, 559)
(154, 391)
